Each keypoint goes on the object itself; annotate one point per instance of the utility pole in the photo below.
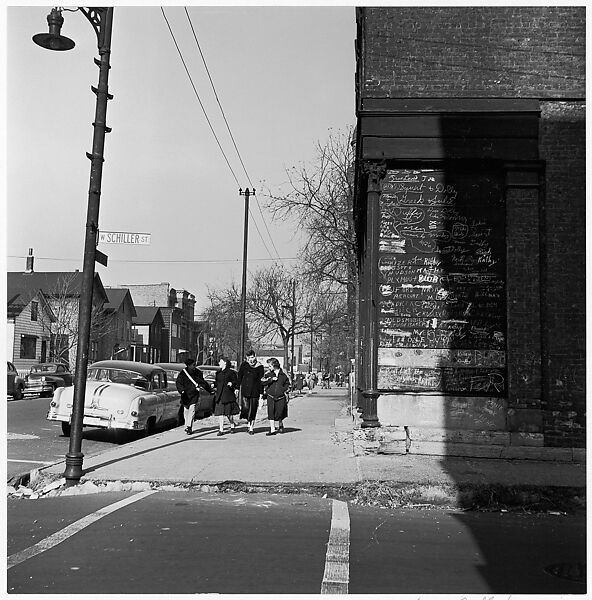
(246, 194)
(311, 343)
(293, 326)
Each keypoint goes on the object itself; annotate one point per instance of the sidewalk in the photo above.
(311, 452)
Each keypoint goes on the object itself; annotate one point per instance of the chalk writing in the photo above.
(451, 379)
(441, 273)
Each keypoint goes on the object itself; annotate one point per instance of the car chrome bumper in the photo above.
(38, 387)
(102, 422)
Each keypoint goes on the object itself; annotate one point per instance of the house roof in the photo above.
(52, 281)
(116, 297)
(19, 294)
(145, 315)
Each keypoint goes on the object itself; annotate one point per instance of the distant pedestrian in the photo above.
(299, 383)
(225, 395)
(189, 380)
(249, 378)
(277, 385)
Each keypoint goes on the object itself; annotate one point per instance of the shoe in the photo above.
(188, 431)
(232, 430)
(251, 432)
(281, 429)
(270, 433)
(220, 433)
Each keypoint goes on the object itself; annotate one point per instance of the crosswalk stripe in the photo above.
(336, 576)
(70, 530)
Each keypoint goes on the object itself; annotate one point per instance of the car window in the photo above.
(60, 369)
(10, 367)
(119, 376)
(43, 368)
(157, 383)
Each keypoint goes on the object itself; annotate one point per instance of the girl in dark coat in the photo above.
(224, 396)
(278, 385)
(250, 375)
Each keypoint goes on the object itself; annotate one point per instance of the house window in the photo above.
(34, 310)
(28, 346)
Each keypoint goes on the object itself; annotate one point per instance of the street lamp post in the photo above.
(101, 19)
(292, 309)
(247, 193)
(311, 342)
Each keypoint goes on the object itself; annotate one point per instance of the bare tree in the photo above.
(224, 319)
(64, 299)
(320, 198)
(280, 306)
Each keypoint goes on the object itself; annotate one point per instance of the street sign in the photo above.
(124, 237)
(100, 257)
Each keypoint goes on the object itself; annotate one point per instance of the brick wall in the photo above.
(513, 52)
(475, 52)
(562, 146)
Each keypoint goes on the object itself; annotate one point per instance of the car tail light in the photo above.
(134, 413)
(53, 403)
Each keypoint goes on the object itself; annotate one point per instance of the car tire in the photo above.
(150, 426)
(19, 393)
(66, 428)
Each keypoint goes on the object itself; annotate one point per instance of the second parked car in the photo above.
(15, 384)
(45, 378)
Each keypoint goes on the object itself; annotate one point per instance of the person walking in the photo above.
(249, 378)
(277, 385)
(188, 382)
(299, 383)
(224, 396)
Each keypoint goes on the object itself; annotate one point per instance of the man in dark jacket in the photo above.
(250, 375)
(189, 380)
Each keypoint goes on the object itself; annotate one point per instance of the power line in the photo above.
(216, 95)
(175, 261)
(197, 95)
(232, 138)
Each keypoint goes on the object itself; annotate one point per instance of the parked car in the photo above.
(45, 378)
(15, 384)
(120, 395)
(206, 401)
(209, 373)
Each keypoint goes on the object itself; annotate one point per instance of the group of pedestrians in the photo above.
(250, 383)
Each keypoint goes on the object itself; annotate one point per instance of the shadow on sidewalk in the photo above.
(148, 450)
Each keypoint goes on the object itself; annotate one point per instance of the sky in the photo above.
(284, 77)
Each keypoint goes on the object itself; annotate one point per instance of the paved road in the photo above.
(185, 542)
(34, 441)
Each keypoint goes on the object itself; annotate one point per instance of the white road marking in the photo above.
(70, 530)
(34, 462)
(21, 436)
(336, 576)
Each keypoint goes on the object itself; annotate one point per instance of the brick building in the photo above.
(181, 335)
(470, 218)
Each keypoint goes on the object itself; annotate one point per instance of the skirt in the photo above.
(277, 408)
(249, 408)
(226, 410)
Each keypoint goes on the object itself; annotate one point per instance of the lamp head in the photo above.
(54, 40)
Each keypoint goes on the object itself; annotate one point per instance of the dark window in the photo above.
(28, 346)
(34, 310)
